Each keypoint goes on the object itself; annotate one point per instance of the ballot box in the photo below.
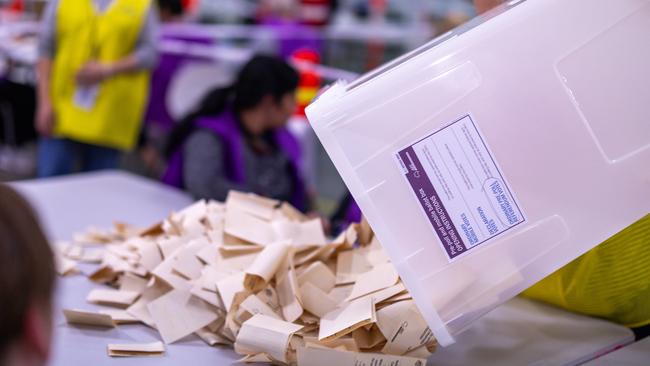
(497, 153)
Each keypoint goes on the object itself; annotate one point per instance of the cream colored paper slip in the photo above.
(64, 266)
(263, 334)
(139, 309)
(387, 293)
(308, 356)
(211, 338)
(83, 317)
(120, 316)
(319, 275)
(378, 278)
(92, 255)
(150, 255)
(186, 261)
(289, 295)
(230, 287)
(210, 297)
(261, 207)
(404, 328)
(255, 305)
(132, 283)
(178, 314)
(300, 233)
(292, 213)
(245, 226)
(316, 301)
(165, 271)
(258, 358)
(347, 318)
(265, 265)
(131, 350)
(112, 297)
(349, 265)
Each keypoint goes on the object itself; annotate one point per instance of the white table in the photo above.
(636, 354)
(70, 204)
(525, 332)
(518, 333)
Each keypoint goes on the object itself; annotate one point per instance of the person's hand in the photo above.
(484, 5)
(93, 73)
(151, 158)
(44, 118)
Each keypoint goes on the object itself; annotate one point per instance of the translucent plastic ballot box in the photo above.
(494, 155)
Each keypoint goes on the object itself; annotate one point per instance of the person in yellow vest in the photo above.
(95, 58)
(611, 281)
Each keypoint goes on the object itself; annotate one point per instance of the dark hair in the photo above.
(174, 7)
(26, 268)
(261, 76)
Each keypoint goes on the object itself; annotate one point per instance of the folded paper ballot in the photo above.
(256, 275)
(345, 319)
(120, 316)
(82, 317)
(64, 265)
(376, 279)
(130, 350)
(178, 314)
(319, 275)
(112, 297)
(264, 334)
(264, 266)
(316, 301)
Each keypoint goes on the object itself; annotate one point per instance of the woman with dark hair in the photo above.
(236, 139)
(27, 281)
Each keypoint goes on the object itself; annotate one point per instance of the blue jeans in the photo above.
(58, 156)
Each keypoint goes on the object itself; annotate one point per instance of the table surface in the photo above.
(71, 204)
(636, 354)
(518, 333)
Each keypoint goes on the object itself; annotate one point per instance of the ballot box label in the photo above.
(458, 184)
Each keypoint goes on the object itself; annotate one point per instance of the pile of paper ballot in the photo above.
(257, 275)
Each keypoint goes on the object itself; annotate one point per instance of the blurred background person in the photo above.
(200, 50)
(156, 118)
(26, 284)
(93, 81)
(236, 138)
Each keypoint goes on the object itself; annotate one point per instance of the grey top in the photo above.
(204, 171)
(145, 48)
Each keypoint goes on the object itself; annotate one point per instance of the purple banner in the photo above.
(430, 201)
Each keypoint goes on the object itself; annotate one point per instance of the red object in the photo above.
(378, 5)
(310, 80)
(189, 5)
(17, 6)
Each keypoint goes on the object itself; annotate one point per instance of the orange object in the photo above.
(310, 80)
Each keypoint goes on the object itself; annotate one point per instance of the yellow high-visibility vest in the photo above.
(83, 34)
(612, 281)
